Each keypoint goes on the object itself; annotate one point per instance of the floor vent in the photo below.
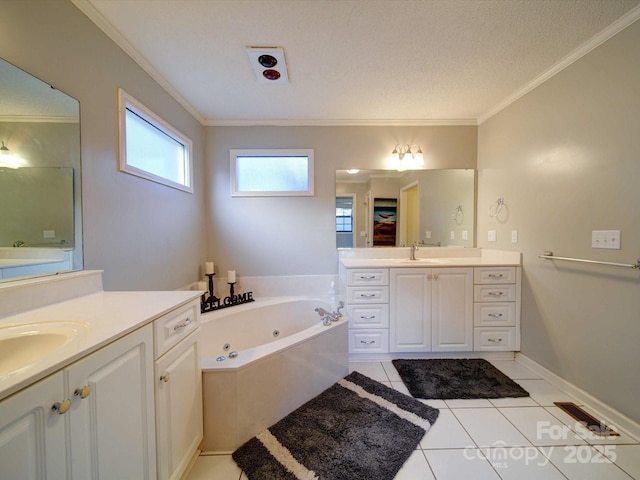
(589, 421)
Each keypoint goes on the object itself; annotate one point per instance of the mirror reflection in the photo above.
(40, 204)
(433, 208)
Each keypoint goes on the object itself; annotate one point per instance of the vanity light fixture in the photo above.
(352, 171)
(407, 157)
(268, 64)
(7, 159)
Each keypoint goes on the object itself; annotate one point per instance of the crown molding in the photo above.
(339, 122)
(616, 27)
(107, 27)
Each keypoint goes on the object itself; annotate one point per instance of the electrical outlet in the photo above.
(427, 234)
(514, 236)
(492, 236)
(605, 239)
(48, 234)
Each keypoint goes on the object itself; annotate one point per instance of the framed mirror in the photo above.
(40, 194)
(433, 208)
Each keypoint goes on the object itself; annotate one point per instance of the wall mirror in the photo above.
(389, 208)
(40, 194)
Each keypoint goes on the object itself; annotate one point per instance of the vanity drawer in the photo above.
(494, 314)
(368, 316)
(368, 276)
(494, 293)
(367, 295)
(492, 275)
(171, 328)
(369, 341)
(494, 339)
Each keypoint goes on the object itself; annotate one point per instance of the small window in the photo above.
(151, 148)
(344, 214)
(271, 173)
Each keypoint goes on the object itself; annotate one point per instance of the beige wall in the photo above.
(144, 235)
(565, 158)
(296, 235)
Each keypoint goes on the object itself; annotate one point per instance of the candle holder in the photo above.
(214, 303)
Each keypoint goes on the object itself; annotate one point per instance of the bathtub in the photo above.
(262, 360)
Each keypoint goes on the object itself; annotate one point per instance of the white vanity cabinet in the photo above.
(368, 310)
(497, 308)
(93, 419)
(431, 309)
(178, 390)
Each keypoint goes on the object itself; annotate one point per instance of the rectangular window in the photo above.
(151, 148)
(271, 172)
(344, 214)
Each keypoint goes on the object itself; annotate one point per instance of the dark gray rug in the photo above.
(356, 429)
(456, 378)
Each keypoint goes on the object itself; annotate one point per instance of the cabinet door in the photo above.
(410, 310)
(32, 435)
(113, 427)
(178, 407)
(452, 311)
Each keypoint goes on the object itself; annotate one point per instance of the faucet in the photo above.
(414, 249)
(328, 317)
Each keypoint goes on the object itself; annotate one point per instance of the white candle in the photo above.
(202, 286)
(231, 276)
(208, 267)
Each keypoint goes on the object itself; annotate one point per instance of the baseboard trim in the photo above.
(608, 414)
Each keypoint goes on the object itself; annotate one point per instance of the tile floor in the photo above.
(512, 438)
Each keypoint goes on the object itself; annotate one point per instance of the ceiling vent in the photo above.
(268, 64)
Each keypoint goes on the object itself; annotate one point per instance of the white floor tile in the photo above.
(458, 464)
(469, 403)
(544, 393)
(514, 402)
(627, 457)
(415, 468)
(514, 370)
(220, 467)
(446, 432)
(488, 428)
(434, 403)
(392, 373)
(540, 427)
(521, 463)
(373, 370)
(585, 433)
(401, 387)
(583, 462)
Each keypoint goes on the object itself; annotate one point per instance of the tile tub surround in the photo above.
(452, 448)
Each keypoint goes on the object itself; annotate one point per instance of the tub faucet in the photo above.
(414, 249)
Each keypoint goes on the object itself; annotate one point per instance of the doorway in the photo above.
(409, 214)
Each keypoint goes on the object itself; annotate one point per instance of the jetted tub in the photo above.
(262, 360)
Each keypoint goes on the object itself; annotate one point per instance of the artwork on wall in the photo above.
(384, 222)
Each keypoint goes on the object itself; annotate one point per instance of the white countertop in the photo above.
(102, 317)
(431, 258)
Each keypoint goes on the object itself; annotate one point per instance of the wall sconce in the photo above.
(7, 159)
(407, 157)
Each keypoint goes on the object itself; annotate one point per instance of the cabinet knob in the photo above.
(83, 392)
(429, 276)
(165, 378)
(435, 276)
(61, 407)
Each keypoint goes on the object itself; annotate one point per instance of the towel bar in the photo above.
(549, 256)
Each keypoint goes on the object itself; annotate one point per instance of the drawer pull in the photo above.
(494, 315)
(495, 294)
(367, 277)
(61, 407)
(368, 342)
(495, 275)
(362, 317)
(495, 340)
(182, 325)
(83, 392)
(367, 295)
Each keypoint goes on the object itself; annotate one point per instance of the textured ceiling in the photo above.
(356, 61)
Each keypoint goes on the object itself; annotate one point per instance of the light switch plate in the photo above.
(48, 234)
(514, 236)
(427, 234)
(609, 239)
(452, 235)
(465, 235)
(492, 236)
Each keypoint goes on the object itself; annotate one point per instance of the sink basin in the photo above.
(24, 345)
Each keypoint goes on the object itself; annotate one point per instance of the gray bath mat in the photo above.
(356, 429)
(456, 378)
